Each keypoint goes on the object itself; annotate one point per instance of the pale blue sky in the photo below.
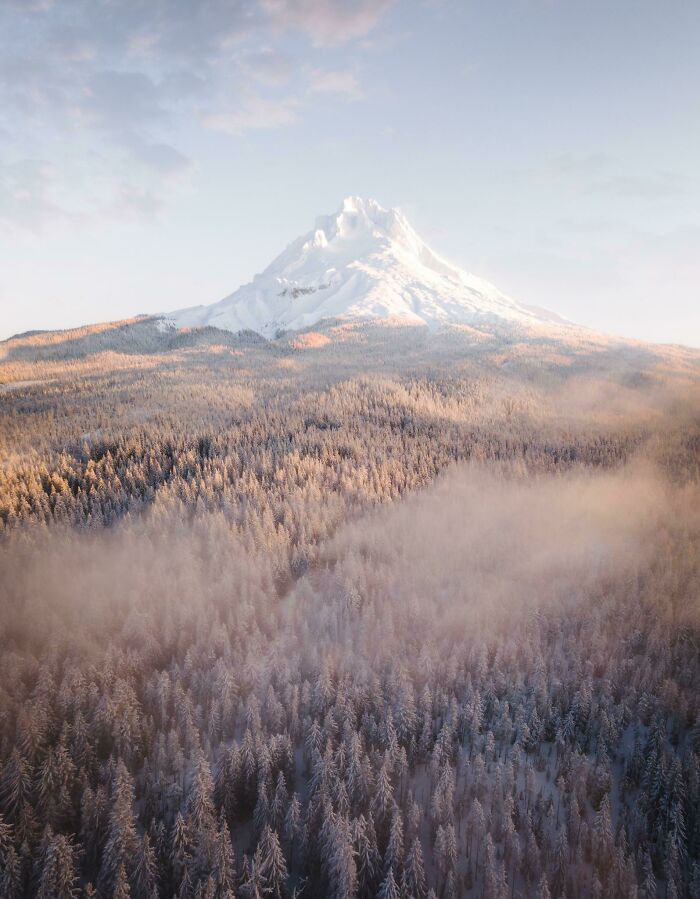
(158, 153)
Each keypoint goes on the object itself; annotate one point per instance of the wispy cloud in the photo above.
(161, 158)
(328, 22)
(269, 67)
(654, 185)
(26, 188)
(255, 113)
(600, 173)
(335, 82)
(122, 80)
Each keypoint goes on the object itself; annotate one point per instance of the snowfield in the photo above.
(364, 262)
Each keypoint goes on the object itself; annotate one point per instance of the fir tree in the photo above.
(413, 882)
(224, 861)
(58, 876)
(122, 841)
(120, 888)
(273, 866)
(145, 870)
(389, 888)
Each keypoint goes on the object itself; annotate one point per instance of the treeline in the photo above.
(356, 444)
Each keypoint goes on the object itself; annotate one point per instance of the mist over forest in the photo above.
(357, 613)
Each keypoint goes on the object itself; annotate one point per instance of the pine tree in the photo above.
(292, 825)
(274, 866)
(450, 885)
(122, 841)
(15, 785)
(340, 863)
(253, 882)
(561, 863)
(491, 879)
(383, 795)
(695, 878)
(58, 876)
(145, 870)
(477, 826)
(10, 875)
(367, 853)
(280, 802)
(543, 888)
(672, 869)
(602, 835)
(393, 857)
(389, 888)
(5, 838)
(413, 882)
(200, 803)
(180, 849)
(16, 796)
(205, 889)
(261, 813)
(446, 849)
(224, 861)
(224, 786)
(120, 889)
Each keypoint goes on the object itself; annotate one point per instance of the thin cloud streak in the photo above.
(123, 81)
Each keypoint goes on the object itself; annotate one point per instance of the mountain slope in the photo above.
(364, 262)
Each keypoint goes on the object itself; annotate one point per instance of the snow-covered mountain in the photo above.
(364, 262)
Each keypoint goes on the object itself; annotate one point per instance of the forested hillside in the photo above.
(348, 615)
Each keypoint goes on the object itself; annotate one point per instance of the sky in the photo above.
(156, 154)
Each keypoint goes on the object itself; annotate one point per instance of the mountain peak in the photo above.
(365, 209)
(365, 205)
(359, 217)
(361, 262)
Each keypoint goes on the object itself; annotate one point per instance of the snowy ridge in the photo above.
(364, 262)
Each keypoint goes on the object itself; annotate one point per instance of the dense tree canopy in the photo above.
(276, 632)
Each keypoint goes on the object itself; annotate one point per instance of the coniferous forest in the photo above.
(360, 613)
